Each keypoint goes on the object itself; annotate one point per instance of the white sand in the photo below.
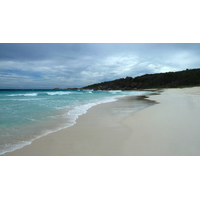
(170, 127)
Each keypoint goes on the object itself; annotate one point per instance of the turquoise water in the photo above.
(26, 115)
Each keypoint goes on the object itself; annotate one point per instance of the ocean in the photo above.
(26, 115)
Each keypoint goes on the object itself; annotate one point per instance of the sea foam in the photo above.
(26, 95)
(59, 93)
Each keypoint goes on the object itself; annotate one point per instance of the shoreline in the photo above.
(124, 102)
(168, 128)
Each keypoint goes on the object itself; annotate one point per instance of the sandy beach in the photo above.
(166, 124)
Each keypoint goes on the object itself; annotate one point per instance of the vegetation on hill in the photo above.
(188, 77)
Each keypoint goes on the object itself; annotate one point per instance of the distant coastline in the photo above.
(186, 78)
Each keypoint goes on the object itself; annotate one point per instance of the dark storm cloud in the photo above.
(37, 51)
(75, 65)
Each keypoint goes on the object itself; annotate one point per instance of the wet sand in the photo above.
(129, 127)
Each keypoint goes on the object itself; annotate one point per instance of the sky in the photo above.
(64, 65)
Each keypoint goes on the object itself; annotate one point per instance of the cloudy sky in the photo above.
(65, 65)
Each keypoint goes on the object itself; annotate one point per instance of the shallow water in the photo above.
(26, 115)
